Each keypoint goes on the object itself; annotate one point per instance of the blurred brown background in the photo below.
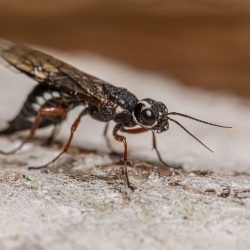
(201, 42)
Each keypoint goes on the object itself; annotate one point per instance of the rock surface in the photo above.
(82, 201)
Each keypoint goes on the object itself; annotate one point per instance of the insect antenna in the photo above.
(204, 145)
(198, 120)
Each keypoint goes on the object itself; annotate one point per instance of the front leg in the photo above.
(142, 130)
(121, 138)
(156, 150)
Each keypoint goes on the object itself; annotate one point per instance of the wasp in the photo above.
(62, 87)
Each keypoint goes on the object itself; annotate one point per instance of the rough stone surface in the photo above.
(82, 201)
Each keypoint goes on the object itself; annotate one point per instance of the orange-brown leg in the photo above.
(141, 130)
(134, 130)
(66, 146)
(42, 112)
(121, 138)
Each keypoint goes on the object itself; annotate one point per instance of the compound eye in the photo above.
(148, 118)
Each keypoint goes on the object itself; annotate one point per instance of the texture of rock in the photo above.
(82, 201)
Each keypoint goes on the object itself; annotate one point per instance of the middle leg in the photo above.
(53, 134)
(105, 134)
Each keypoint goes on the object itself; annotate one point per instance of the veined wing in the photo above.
(46, 69)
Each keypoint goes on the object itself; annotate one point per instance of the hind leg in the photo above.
(48, 112)
(74, 127)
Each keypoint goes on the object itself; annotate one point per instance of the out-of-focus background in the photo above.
(193, 55)
(203, 43)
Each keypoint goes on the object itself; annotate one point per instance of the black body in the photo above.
(61, 87)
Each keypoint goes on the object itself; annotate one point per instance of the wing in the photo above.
(46, 69)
